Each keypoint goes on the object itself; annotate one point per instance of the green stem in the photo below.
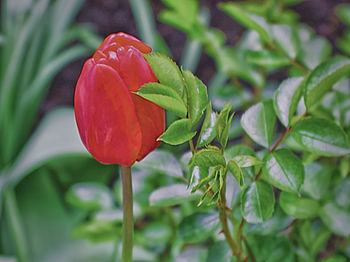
(236, 251)
(128, 221)
(15, 224)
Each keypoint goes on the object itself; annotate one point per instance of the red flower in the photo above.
(116, 125)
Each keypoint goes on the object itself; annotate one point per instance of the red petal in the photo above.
(124, 39)
(152, 122)
(134, 69)
(106, 116)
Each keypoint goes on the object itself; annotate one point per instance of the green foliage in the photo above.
(259, 123)
(258, 202)
(250, 189)
(284, 170)
(165, 97)
(178, 132)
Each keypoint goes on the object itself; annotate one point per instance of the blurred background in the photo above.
(56, 202)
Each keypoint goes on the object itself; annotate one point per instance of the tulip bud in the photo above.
(116, 125)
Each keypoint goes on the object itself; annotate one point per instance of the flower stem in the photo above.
(128, 220)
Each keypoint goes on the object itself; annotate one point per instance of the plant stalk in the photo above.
(15, 224)
(128, 220)
(236, 251)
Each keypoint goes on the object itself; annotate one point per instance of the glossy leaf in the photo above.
(284, 170)
(266, 58)
(321, 136)
(336, 219)
(278, 222)
(165, 97)
(301, 208)
(196, 95)
(178, 132)
(323, 77)
(167, 71)
(285, 40)
(317, 180)
(258, 202)
(237, 150)
(248, 20)
(174, 194)
(90, 196)
(286, 99)
(246, 160)
(161, 161)
(208, 130)
(342, 194)
(198, 227)
(259, 122)
(208, 158)
(315, 51)
(236, 171)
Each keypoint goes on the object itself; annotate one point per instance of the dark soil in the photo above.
(115, 15)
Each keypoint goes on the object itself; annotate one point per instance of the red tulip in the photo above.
(116, 125)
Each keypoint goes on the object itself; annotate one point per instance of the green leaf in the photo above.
(156, 233)
(237, 150)
(341, 194)
(259, 122)
(182, 14)
(219, 252)
(56, 136)
(300, 208)
(248, 20)
(223, 124)
(236, 171)
(193, 254)
(198, 227)
(286, 99)
(317, 180)
(336, 219)
(161, 161)
(178, 132)
(343, 12)
(315, 51)
(284, 170)
(321, 136)
(285, 40)
(323, 77)
(277, 223)
(246, 161)
(50, 223)
(196, 95)
(167, 71)
(90, 196)
(208, 130)
(266, 58)
(208, 158)
(165, 97)
(171, 195)
(258, 202)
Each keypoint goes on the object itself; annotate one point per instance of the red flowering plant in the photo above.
(119, 99)
(119, 106)
(116, 125)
